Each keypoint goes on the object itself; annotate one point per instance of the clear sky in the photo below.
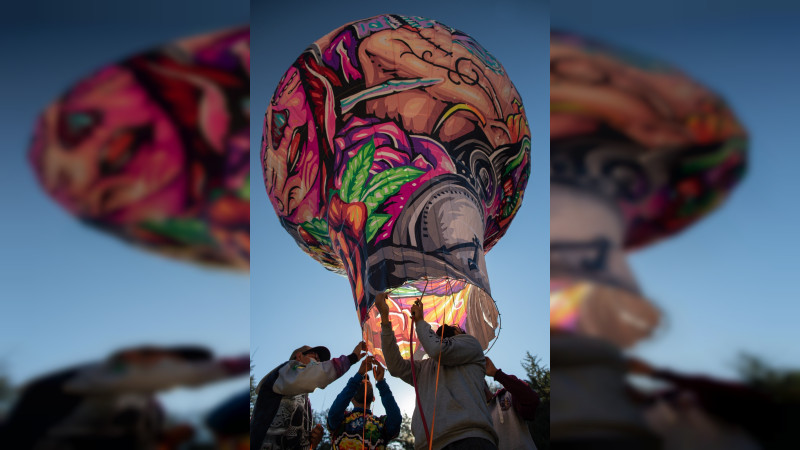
(295, 300)
(69, 293)
(728, 284)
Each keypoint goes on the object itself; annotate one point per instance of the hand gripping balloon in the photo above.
(154, 149)
(638, 152)
(396, 151)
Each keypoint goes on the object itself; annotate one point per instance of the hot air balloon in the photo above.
(154, 149)
(639, 152)
(395, 151)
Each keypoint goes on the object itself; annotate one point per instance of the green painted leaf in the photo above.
(318, 229)
(187, 231)
(388, 183)
(374, 224)
(357, 171)
(244, 191)
(524, 148)
(216, 193)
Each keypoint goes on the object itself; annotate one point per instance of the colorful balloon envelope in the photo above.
(154, 149)
(396, 151)
(638, 152)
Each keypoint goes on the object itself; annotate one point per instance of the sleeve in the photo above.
(338, 407)
(391, 426)
(454, 351)
(295, 378)
(395, 362)
(523, 397)
(105, 378)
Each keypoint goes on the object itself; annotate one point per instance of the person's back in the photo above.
(359, 427)
(459, 411)
(449, 383)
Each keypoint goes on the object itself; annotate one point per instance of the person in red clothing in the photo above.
(510, 423)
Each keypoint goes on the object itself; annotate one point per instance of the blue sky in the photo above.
(70, 293)
(727, 285)
(294, 299)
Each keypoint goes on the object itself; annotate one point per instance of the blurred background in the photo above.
(725, 285)
(70, 293)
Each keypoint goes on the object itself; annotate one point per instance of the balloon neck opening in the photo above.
(445, 301)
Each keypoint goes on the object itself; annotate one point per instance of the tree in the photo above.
(252, 390)
(5, 388)
(782, 386)
(321, 417)
(539, 379)
(405, 439)
(6, 391)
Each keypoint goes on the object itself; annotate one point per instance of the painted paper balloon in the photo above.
(154, 149)
(396, 151)
(638, 152)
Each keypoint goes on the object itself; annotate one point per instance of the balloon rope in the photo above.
(414, 373)
(439, 366)
(364, 428)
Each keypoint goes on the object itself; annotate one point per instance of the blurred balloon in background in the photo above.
(638, 152)
(153, 149)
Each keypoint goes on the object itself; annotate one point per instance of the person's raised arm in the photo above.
(106, 378)
(453, 351)
(395, 362)
(296, 378)
(523, 397)
(391, 426)
(339, 406)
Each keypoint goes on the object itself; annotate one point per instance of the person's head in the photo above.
(359, 400)
(306, 354)
(449, 331)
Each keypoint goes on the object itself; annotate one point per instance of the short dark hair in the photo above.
(447, 330)
(359, 397)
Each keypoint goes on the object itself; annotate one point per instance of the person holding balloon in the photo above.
(112, 403)
(449, 384)
(359, 428)
(282, 413)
